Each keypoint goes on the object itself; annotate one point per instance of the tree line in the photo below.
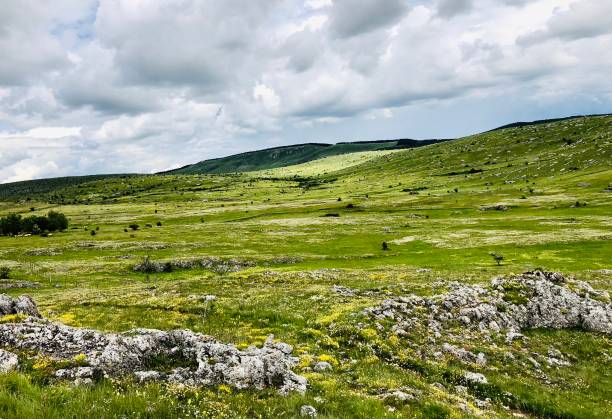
(14, 224)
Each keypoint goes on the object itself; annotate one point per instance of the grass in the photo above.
(426, 203)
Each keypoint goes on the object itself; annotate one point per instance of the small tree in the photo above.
(134, 226)
(57, 221)
(385, 246)
(93, 232)
(497, 257)
(5, 272)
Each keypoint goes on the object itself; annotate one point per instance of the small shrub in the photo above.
(93, 232)
(134, 226)
(5, 272)
(159, 224)
(385, 246)
(497, 257)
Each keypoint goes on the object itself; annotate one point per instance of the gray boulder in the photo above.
(19, 305)
(8, 361)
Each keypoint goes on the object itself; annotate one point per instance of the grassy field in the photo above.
(548, 198)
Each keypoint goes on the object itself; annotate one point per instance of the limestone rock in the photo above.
(322, 366)
(308, 411)
(20, 305)
(8, 361)
(475, 378)
(196, 359)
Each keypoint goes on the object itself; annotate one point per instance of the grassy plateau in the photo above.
(305, 228)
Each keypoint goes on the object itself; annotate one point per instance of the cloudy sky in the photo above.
(107, 86)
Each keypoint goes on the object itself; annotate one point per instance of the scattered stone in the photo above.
(308, 411)
(475, 378)
(193, 359)
(462, 390)
(399, 395)
(495, 208)
(43, 252)
(322, 366)
(215, 264)
(18, 284)
(463, 354)
(203, 298)
(8, 361)
(533, 362)
(147, 376)
(483, 404)
(351, 292)
(344, 291)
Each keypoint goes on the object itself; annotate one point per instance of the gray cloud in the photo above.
(450, 8)
(353, 17)
(125, 86)
(583, 19)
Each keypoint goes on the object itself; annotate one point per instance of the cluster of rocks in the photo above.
(44, 252)
(6, 285)
(528, 301)
(183, 356)
(351, 292)
(495, 208)
(23, 305)
(215, 264)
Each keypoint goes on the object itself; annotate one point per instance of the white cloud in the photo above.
(124, 85)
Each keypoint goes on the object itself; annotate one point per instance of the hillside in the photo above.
(290, 155)
(441, 320)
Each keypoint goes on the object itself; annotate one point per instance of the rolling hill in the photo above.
(290, 155)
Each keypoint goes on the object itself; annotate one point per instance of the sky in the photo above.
(125, 86)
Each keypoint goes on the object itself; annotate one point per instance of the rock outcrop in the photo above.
(20, 305)
(186, 357)
(8, 361)
(528, 301)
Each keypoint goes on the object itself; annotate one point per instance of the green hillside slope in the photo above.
(289, 155)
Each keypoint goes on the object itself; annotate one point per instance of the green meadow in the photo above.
(539, 195)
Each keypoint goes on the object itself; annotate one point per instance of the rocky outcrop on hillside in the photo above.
(23, 305)
(528, 301)
(180, 356)
(214, 264)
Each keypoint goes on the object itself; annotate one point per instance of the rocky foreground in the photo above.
(180, 356)
(533, 300)
(501, 309)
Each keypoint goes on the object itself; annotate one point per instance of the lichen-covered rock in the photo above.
(322, 366)
(20, 305)
(529, 301)
(8, 361)
(308, 411)
(475, 378)
(194, 359)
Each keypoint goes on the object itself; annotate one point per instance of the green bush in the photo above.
(14, 224)
(5, 272)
